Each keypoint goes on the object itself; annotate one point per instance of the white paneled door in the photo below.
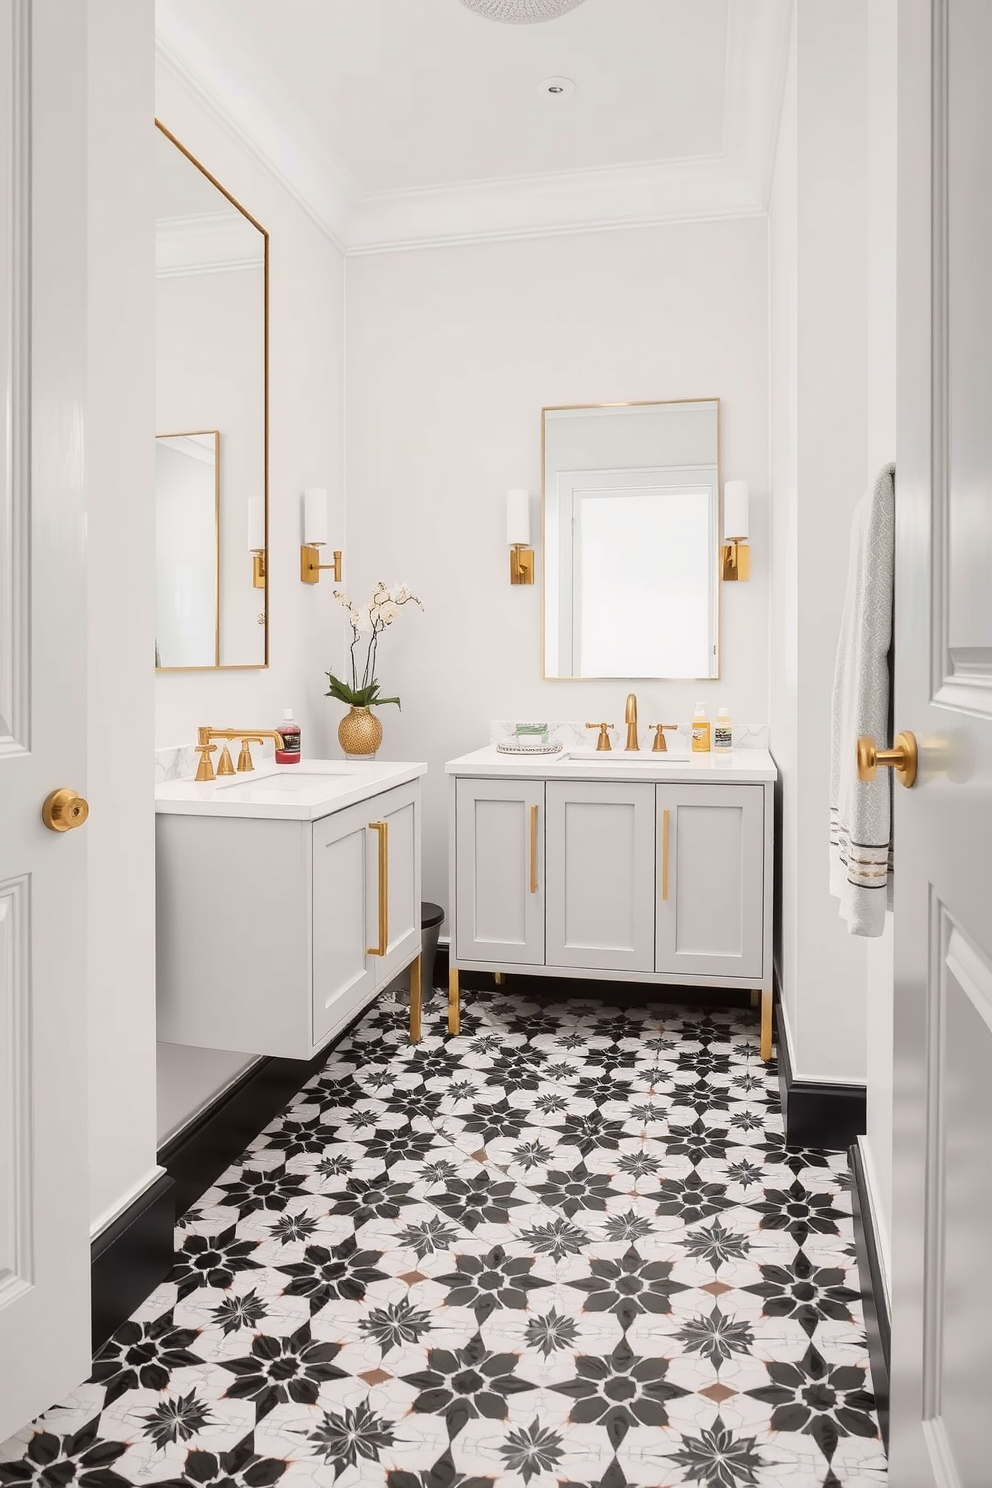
(942, 1173)
(44, 1229)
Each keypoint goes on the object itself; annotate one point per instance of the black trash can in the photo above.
(431, 920)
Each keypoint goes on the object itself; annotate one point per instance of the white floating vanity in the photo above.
(647, 867)
(286, 899)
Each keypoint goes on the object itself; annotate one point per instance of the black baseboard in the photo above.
(129, 1259)
(197, 1156)
(877, 1324)
(818, 1114)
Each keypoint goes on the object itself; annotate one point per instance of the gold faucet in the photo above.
(630, 719)
(204, 748)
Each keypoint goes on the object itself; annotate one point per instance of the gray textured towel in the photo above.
(860, 812)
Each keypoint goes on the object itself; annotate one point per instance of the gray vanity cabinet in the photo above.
(710, 907)
(500, 871)
(647, 870)
(600, 855)
(274, 934)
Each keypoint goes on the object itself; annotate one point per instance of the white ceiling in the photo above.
(400, 122)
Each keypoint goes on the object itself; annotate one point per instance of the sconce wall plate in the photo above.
(521, 564)
(311, 567)
(735, 561)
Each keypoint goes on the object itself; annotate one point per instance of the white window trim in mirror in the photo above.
(561, 608)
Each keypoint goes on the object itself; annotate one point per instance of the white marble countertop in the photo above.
(303, 792)
(739, 767)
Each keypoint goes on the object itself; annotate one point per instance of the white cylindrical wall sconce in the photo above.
(256, 540)
(518, 537)
(315, 537)
(315, 516)
(735, 553)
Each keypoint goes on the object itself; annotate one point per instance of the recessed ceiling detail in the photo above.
(351, 106)
(521, 12)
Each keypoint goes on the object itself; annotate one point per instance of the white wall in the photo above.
(306, 403)
(120, 455)
(452, 353)
(821, 467)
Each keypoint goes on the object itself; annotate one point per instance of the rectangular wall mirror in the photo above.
(211, 459)
(631, 540)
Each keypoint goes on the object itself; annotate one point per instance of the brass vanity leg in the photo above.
(766, 1022)
(755, 997)
(416, 1002)
(454, 1004)
(499, 978)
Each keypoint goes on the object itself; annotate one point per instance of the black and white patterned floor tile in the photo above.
(568, 1247)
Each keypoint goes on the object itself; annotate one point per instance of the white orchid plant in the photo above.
(368, 620)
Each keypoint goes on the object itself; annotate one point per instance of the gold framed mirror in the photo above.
(212, 420)
(631, 519)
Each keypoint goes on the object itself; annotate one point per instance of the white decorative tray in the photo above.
(508, 746)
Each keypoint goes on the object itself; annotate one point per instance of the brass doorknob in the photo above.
(63, 810)
(903, 757)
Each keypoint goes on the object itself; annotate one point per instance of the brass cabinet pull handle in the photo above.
(903, 757)
(665, 835)
(533, 849)
(383, 830)
(63, 810)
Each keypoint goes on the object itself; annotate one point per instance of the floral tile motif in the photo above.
(567, 1249)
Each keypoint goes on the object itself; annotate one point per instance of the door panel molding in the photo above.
(17, 1259)
(960, 970)
(961, 674)
(15, 375)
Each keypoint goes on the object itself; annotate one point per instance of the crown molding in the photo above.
(735, 183)
(218, 75)
(207, 243)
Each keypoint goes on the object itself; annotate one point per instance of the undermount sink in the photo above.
(280, 780)
(650, 760)
(304, 792)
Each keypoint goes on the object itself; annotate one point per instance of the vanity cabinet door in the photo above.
(710, 901)
(499, 871)
(344, 866)
(601, 875)
(399, 865)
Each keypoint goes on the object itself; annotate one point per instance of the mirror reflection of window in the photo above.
(631, 514)
(210, 374)
(187, 486)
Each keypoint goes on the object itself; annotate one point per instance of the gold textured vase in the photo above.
(360, 733)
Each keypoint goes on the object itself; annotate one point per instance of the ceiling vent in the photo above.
(521, 12)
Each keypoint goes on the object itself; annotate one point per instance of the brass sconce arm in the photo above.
(311, 567)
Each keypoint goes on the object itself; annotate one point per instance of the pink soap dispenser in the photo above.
(289, 754)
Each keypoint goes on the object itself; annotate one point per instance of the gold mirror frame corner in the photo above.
(220, 666)
(631, 403)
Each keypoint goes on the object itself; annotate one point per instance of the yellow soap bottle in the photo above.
(700, 731)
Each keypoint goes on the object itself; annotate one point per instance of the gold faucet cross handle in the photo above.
(660, 745)
(244, 758)
(205, 769)
(603, 742)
